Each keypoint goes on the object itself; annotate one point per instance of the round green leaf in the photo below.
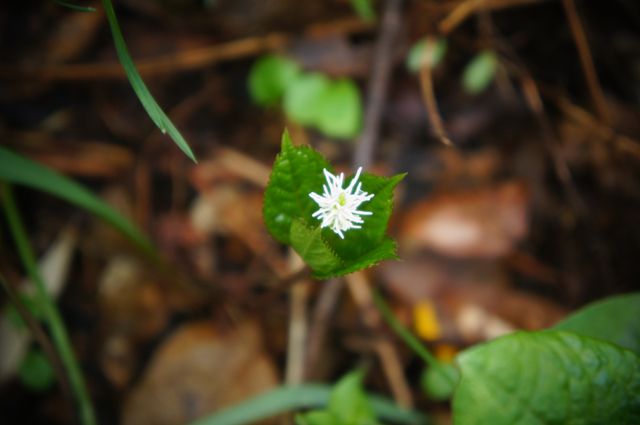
(269, 78)
(480, 72)
(36, 372)
(614, 319)
(548, 377)
(302, 98)
(340, 110)
(426, 52)
(439, 382)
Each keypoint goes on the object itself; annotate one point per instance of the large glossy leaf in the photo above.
(17, 169)
(312, 248)
(614, 319)
(549, 377)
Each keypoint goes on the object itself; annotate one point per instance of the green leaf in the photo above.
(364, 10)
(312, 248)
(301, 99)
(297, 171)
(384, 250)
(35, 371)
(548, 377)
(269, 78)
(439, 382)
(480, 72)
(75, 7)
(157, 115)
(426, 52)
(340, 110)
(614, 319)
(20, 170)
(349, 403)
(357, 244)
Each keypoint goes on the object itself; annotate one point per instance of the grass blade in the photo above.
(156, 113)
(17, 169)
(75, 7)
(291, 398)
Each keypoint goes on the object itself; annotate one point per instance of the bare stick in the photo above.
(294, 374)
(430, 103)
(379, 81)
(586, 61)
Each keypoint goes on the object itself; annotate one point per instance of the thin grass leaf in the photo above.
(293, 398)
(17, 169)
(75, 6)
(156, 113)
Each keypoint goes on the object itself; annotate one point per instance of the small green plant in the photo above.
(480, 72)
(335, 229)
(310, 99)
(426, 52)
(348, 405)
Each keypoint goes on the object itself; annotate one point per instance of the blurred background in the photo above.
(517, 121)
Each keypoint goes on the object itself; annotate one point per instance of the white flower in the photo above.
(338, 206)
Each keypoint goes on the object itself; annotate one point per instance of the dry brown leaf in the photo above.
(485, 223)
(198, 370)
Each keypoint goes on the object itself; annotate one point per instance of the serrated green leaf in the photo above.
(340, 110)
(35, 371)
(302, 98)
(614, 319)
(385, 250)
(17, 169)
(312, 248)
(426, 52)
(357, 243)
(548, 377)
(480, 72)
(297, 171)
(269, 78)
(349, 403)
(155, 112)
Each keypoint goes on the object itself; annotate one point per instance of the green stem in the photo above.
(403, 332)
(51, 313)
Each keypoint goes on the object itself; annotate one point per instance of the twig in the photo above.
(361, 293)
(322, 313)
(379, 81)
(182, 61)
(468, 7)
(586, 61)
(299, 294)
(430, 103)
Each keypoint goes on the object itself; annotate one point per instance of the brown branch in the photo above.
(468, 7)
(187, 60)
(586, 61)
(379, 81)
(430, 103)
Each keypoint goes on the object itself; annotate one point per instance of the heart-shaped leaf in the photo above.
(548, 377)
(614, 319)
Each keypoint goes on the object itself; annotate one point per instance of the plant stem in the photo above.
(51, 313)
(403, 332)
